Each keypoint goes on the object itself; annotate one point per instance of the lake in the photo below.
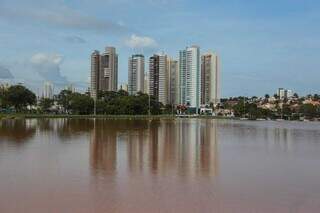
(183, 165)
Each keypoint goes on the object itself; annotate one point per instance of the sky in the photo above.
(262, 45)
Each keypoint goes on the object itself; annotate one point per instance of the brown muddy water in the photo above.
(186, 165)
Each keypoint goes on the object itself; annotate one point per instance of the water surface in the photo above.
(194, 165)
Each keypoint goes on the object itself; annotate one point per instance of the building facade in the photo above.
(108, 76)
(146, 83)
(284, 93)
(210, 85)
(163, 79)
(154, 76)
(136, 74)
(159, 78)
(95, 66)
(104, 71)
(173, 82)
(190, 77)
(47, 90)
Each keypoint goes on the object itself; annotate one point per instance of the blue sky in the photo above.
(262, 44)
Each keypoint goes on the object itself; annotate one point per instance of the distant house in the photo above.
(206, 111)
(310, 101)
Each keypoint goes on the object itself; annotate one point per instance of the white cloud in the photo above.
(48, 67)
(140, 42)
(43, 58)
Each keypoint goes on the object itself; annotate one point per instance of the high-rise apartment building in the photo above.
(154, 76)
(108, 76)
(284, 93)
(173, 81)
(136, 74)
(182, 76)
(210, 79)
(146, 83)
(95, 66)
(190, 77)
(159, 78)
(47, 90)
(104, 71)
(163, 79)
(281, 93)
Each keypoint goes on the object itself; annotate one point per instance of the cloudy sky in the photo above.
(262, 44)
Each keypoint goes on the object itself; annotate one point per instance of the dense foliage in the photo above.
(120, 103)
(251, 110)
(18, 97)
(45, 104)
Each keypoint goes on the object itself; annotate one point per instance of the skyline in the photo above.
(261, 45)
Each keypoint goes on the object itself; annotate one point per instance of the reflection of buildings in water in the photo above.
(183, 148)
(19, 130)
(281, 138)
(135, 147)
(114, 140)
(103, 147)
(209, 148)
(153, 146)
(188, 148)
(69, 128)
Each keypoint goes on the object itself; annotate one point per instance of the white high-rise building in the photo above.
(210, 84)
(190, 77)
(163, 79)
(281, 93)
(47, 90)
(146, 83)
(284, 93)
(289, 93)
(136, 74)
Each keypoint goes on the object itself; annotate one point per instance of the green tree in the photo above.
(2, 98)
(286, 110)
(81, 104)
(45, 104)
(240, 108)
(64, 99)
(120, 103)
(267, 96)
(309, 110)
(19, 97)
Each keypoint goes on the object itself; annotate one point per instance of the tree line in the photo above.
(19, 99)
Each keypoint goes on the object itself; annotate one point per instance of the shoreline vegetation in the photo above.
(19, 102)
(130, 117)
(35, 116)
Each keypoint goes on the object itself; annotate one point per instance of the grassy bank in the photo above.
(147, 117)
(36, 116)
(110, 117)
